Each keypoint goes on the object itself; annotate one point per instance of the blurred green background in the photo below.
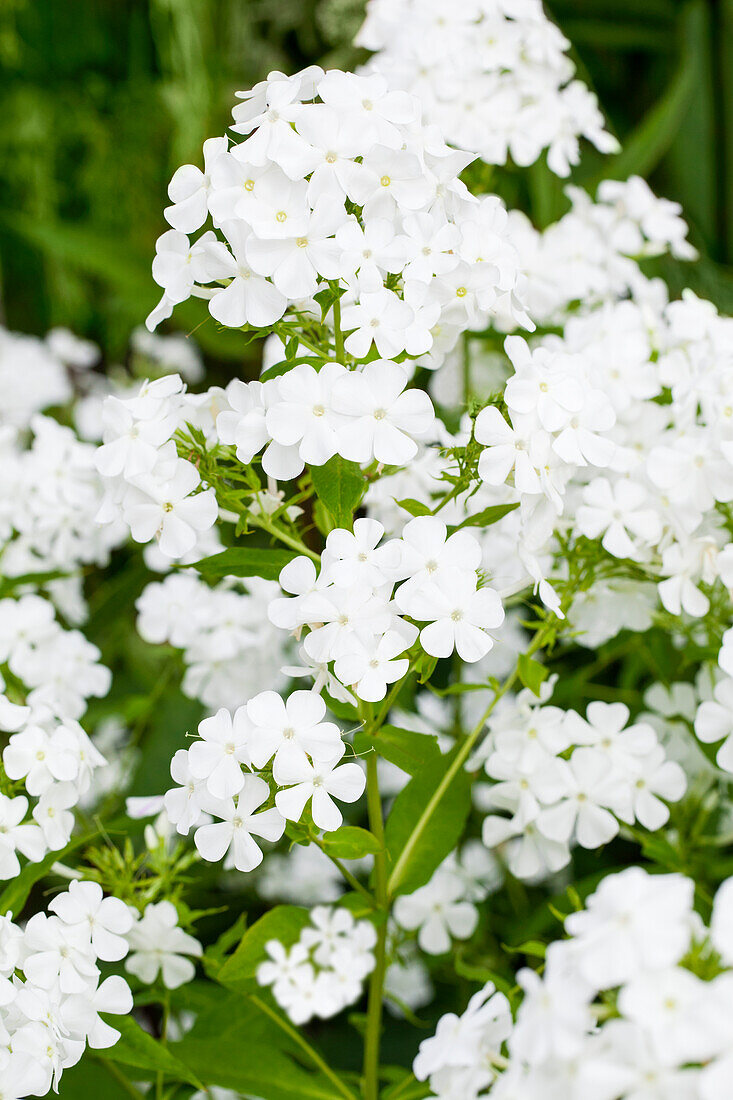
(100, 100)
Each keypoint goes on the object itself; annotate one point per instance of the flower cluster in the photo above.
(229, 646)
(51, 992)
(446, 907)
(158, 947)
(492, 74)
(564, 780)
(361, 623)
(635, 1003)
(220, 776)
(310, 416)
(324, 970)
(590, 255)
(336, 184)
(157, 494)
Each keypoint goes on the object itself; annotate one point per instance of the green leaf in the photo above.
(406, 749)
(94, 1075)
(487, 516)
(350, 842)
(340, 486)
(283, 923)
(414, 507)
(287, 364)
(139, 1049)
(531, 673)
(244, 1044)
(240, 561)
(10, 584)
(534, 948)
(417, 846)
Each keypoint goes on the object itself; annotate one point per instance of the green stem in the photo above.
(375, 1002)
(283, 536)
(348, 876)
(457, 763)
(338, 334)
(304, 1045)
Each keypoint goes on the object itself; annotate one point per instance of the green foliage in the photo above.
(350, 842)
(531, 673)
(339, 485)
(405, 749)
(238, 1043)
(414, 851)
(140, 1050)
(486, 517)
(283, 923)
(241, 561)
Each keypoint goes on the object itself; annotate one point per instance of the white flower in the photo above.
(304, 413)
(634, 922)
(291, 727)
(183, 804)
(383, 421)
(16, 836)
(319, 782)
(380, 318)
(58, 952)
(583, 810)
(189, 189)
(105, 919)
(218, 757)
(714, 722)
(721, 924)
(295, 262)
(239, 822)
(459, 613)
(439, 910)
(249, 299)
(42, 758)
(617, 512)
(371, 664)
(429, 554)
(159, 946)
(52, 812)
(166, 510)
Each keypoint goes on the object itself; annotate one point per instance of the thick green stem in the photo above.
(283, 536)
(373, 1034)
(338, 334)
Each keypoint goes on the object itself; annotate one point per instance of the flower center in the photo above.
(302, 242)
(379, 414)
(281, 216)
(385, 181)
(461, 292)
(318, 410)
(456, 615)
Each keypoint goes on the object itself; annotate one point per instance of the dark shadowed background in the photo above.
(100, 100)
